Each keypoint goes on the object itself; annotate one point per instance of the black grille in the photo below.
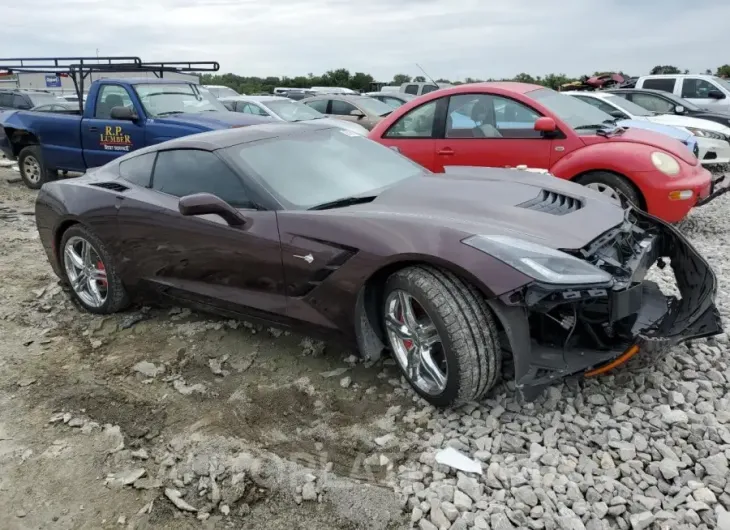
(552, 203)
(114, 186)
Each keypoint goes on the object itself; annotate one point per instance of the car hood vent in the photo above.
(114, 186)
(552, 203)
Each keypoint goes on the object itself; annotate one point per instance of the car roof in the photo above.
(647, 90)
(262, 99)
(391, 94)
(344, 97)
(149, 80)
(220, 139)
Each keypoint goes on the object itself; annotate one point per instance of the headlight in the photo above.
(704, 133)
(542, 263)
(665, 163)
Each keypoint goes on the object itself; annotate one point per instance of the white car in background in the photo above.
(285, 109)
(713, 138)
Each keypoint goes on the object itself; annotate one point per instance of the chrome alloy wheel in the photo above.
(416, 343)
(31, 169)
(606, 190)
(85, 271)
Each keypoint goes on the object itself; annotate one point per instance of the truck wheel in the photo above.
(613, 186)
(442, 335)
(90, 272)
(32, 170)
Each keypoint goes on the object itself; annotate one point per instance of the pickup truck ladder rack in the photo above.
(79, 68)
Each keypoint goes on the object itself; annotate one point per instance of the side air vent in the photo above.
(114, 186)
(552, 203)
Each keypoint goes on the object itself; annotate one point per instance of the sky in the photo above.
(452, 39)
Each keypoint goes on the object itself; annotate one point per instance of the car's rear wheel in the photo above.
(32, 169)
(90, 273)
(614, 186)
(442, 335)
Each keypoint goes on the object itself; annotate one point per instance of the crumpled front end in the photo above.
(555, 331)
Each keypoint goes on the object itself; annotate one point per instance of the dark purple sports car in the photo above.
(324, 230)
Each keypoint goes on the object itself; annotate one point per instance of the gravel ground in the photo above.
(160, 418)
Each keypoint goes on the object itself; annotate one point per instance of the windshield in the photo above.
(629, 106)
(222, 91)
(688, 105)
(574, 112)
(162, 99)
(44, 99)
(373, 106)
(724, 83)
(289, 110)
(320, 166)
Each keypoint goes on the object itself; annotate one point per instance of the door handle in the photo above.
(446, 151)
(93, 129)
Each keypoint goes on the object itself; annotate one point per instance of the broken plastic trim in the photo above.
(659, 319)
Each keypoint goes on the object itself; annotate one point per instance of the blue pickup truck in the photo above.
(120, 115)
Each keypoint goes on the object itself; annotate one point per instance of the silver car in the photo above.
(285, 109)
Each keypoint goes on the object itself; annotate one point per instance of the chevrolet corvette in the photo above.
(323, 231)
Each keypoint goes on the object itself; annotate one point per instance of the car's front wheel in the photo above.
(442, 335)
(90, 272)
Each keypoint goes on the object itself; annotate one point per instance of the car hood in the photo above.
(210, 121)
(687, 121)
(646, 137)
(342, 124)
(680, 134)
(493, 201)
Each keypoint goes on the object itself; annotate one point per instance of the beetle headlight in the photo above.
(542, 263)
(665, 163)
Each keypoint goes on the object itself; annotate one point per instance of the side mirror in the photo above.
(618, 114)
(123, 113)
(357, 113)
(679, 109)
(207, 203)
(545, 124)
(715, 94)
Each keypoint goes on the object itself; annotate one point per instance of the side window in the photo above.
(318, 105)
(393, 102)
(138, 169)
(417, 123)
(411, 89)
(696, 88)
(186, 171)
(485, 116)
(663, 84)
(653, 103)
(19, 102)
(250, 108)
(110, 96)
(514, 120)
(342, 108)
(6, 100)
(428, 88)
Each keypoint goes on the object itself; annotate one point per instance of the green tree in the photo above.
(361, 81)
(666, 69)
(399, 79)
(723, 71)
(419, 79)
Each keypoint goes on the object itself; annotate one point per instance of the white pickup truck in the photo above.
(706, 91)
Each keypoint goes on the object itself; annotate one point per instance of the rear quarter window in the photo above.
(138, 169)
(665, 85)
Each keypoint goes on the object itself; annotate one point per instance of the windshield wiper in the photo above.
(170, 112)
(592, 127)
(345, 201)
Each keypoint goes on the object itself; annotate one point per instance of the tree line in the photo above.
(361, 81)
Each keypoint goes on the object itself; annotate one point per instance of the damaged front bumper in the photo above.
(555, 331)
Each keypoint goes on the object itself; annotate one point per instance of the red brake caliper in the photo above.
(100, 266)
(408, 343)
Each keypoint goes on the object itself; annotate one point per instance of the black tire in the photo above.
(623, 186)
(466, 328)
(32, 168)
(116, 298)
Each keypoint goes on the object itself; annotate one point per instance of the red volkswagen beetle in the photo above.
(517, 124)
